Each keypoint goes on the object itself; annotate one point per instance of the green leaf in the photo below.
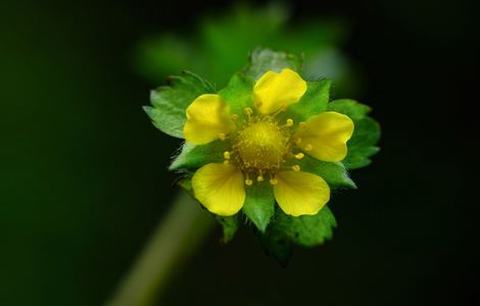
(165, 54)
(230, 226)
(366, 134)
(186, 184)
(262, 60)
(356, 111)
(192, 156)
(259, 205)
(334, 173)
(169, 102)
(226, 39)
(306, 231)
(276, 244)
(238, 93)
(362, 145)
(314, 101)
(217, 46)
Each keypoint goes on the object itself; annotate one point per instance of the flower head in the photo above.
(264, 145)
(268, 148)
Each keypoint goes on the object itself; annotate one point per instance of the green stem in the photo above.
(176, 238)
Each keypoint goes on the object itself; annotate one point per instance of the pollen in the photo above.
(299, 155)
(261, 145)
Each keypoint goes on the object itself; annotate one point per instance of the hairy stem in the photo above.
(176, 238)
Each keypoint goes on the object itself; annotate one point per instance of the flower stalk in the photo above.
(178, 235)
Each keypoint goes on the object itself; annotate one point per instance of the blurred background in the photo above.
(83, 179)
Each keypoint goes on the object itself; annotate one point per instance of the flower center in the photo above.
(261, 145)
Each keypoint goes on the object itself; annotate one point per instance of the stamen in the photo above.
(308, 147)
(234, 117)
(299, 155)
(296, 168)
(248, 111)
(226, 155)
(281, 109)
(248, 182)
(260, 177)
(289, 122)
(273, 181)
(222, 136)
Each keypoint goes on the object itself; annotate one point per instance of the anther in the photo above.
(248, 111)
(226, 155)
(248, 182)
(222, 136)
(299, 155)
(234, 117)
(273, 181)
(289, 122)
(296, 168)
(260, 178)
(308, 147)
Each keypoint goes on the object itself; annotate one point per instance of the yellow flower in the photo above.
(264, 146)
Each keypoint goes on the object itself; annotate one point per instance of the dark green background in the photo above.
(83, 177)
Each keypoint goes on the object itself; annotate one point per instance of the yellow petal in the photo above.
(300, 193)
(276, 90)
(220, 188)
(207, 120)
(325, 136)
